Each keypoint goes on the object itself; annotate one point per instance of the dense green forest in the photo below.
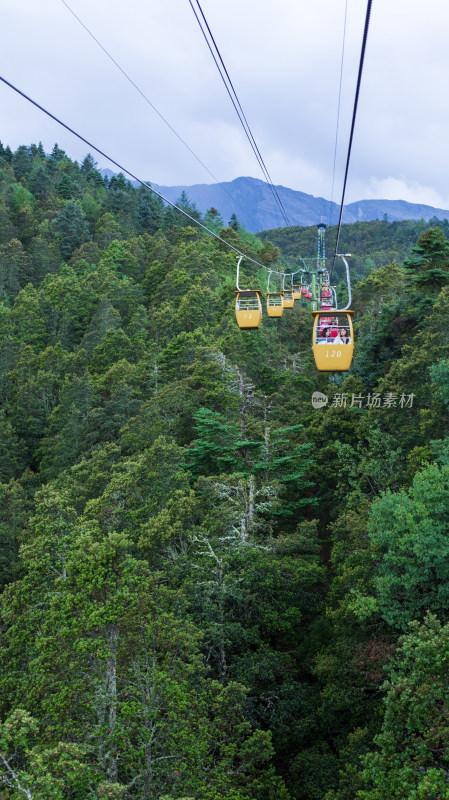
(212, 590)
(371, 244)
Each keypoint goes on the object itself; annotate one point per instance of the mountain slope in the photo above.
(253, 202)
(395, 210)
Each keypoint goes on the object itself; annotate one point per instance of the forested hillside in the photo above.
(254, 202)
(210, 589)
(371, 244)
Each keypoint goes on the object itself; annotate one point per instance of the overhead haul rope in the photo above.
(131, 174)
(354, 114)
(237, 106)
(338, 111)
(128, 78)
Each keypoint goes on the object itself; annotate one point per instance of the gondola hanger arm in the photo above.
(239, 258)
(344, 256)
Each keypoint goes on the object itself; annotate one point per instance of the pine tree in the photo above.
(428, 266)
(234, 223)
(72, 229)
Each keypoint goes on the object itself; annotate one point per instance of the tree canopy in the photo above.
(211, 590)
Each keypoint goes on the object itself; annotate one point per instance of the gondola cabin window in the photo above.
(248, 301)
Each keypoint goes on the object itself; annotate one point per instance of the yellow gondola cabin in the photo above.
(275, 300)
(333, 340)
(289, 300)
(248, 308)
(287, 292)
(275, 304)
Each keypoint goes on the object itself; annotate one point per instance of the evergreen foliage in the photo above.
(205, 581)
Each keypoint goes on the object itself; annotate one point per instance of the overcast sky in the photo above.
(283, 57)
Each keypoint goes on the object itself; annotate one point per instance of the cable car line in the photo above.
(244, 122)
(354, 114)
(238, 108)
(147, 100)
(135, 177)
(338, 111)
(332, 326)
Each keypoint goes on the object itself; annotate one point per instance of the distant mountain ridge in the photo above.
(253, 203)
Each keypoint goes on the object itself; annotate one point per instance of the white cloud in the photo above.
(284, 60)
(393, 188)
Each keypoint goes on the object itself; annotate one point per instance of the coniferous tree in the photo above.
(234, 223)
(72, 228)
(428, 265)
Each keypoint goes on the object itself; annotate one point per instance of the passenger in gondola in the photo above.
(343, 337)
(326, 337)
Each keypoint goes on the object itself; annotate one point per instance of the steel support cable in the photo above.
(243, 114)
(354, 114)
(245, 122)
(338, 111)
(234, 102)
(240, 115)
(131, 174)
(147, 100)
